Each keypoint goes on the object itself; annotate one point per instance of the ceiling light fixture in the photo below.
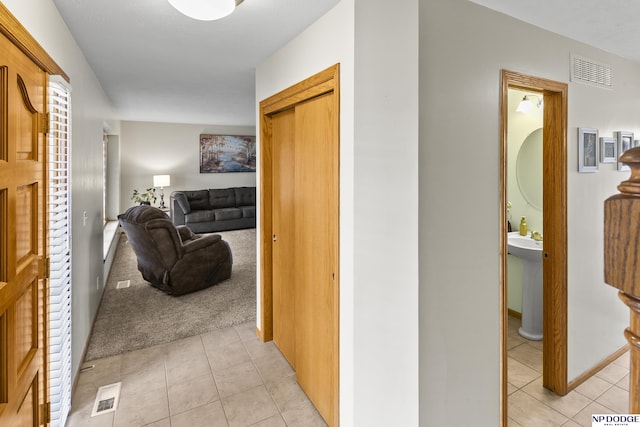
(526, 105)
(205, 10)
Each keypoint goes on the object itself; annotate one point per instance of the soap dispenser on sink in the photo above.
(523, 227)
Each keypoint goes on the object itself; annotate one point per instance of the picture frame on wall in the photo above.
(608, 150)
(227, 153)
(624, 141)
(588, 150)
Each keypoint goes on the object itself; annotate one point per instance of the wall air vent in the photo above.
(584, 70)
(122, 284)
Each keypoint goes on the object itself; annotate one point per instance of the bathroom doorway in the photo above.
(524, 215)
(554, 224)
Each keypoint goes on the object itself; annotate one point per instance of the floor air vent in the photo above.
(590, 72)
(106, 399)
(123, 284)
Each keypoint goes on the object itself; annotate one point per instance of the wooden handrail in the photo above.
(622, 260)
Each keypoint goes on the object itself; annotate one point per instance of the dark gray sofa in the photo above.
(218, 209)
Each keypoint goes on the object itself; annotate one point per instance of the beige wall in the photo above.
(463, 49)
(148, 149)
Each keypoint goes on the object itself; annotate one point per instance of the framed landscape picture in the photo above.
(227, 153)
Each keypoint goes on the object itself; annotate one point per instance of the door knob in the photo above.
(274, 238)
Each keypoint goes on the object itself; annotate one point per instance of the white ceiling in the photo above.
(611, 25)
(158, 65)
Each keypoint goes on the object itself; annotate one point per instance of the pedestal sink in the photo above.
(530, 252)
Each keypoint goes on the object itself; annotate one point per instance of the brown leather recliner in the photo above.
(174, 259)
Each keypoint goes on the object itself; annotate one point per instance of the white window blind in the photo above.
(105, 186)
(59, 250)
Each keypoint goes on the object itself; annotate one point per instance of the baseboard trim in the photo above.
(514, 313)
(591, 372)
(115, 238)
(86, 348)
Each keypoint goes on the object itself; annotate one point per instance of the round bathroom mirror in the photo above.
(529, 169)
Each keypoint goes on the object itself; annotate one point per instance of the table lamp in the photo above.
(162, 181)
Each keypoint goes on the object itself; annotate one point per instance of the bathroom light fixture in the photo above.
(205, 10)
(161, 181)
(526, 105)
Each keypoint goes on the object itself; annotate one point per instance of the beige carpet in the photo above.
(142, 316)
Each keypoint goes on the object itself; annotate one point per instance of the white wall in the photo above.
(463, 49)
(378, 197)
(148, 149)
(90, 108)
(386, 213)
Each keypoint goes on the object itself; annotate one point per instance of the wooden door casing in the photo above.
(555, 275)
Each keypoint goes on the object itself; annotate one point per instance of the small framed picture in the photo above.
(608, 150)
(587, 150)
(624, 142)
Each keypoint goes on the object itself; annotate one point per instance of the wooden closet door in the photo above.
(283, 131)
(299, 289)
(23, 299)
(316, 250)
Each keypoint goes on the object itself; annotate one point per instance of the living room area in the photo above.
(141, 151)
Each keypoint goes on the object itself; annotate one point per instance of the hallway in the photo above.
(226, 378)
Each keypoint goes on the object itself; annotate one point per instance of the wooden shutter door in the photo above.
(23, 299)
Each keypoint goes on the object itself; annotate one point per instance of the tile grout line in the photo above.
(590, 400)
(275, 404)
(264, 382)
(166, 381)
(215, 383)
(554, 409)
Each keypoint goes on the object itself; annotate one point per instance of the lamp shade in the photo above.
(204, 10)
(161, 180)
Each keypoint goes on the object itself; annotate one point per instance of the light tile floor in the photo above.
(226, 378)
(229, 378)
(532, 405)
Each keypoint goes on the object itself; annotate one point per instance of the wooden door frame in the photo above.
(554, 219)
(324, 82)
(12, 29)
(17, 34)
